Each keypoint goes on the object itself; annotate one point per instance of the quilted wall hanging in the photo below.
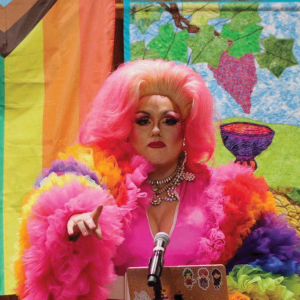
(248, 53)
(54, 56)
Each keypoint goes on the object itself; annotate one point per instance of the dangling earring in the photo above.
(183, 142)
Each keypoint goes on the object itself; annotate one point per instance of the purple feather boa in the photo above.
(272, 245)
(67, 166)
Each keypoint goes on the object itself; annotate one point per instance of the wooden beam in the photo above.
(119, 6)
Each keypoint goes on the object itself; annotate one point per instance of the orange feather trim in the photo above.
(249, 199)
(104, 163)
(238, 296)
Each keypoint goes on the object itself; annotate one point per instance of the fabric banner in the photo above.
(55, 55)
(248, 53)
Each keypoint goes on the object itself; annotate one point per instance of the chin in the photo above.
(162, 160)
(157, 160)
(159, 163)
(161, 157)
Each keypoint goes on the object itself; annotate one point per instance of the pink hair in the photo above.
(113, 109)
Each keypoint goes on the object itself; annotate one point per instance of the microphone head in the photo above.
(163, 236)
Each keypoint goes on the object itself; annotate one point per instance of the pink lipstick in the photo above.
(156, 145)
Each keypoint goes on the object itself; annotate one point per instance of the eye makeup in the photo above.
(171, 113)
(142, 118)
(171, 121)
(171, 118)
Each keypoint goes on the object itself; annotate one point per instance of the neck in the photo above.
(162, 171)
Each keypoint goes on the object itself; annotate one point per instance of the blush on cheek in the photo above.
(177, 133)
(137, 138)
(136, 134)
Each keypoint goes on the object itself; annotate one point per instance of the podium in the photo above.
(203, 282)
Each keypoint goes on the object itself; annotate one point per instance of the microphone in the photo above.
(161, 241)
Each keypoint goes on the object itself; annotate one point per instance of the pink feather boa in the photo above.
(59, 269)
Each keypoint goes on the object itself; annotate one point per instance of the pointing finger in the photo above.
(96, 213)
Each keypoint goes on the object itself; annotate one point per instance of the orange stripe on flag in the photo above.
(62, 76)
(97, 28)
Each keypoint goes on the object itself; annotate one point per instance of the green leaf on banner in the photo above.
(244, 19)
(206, 47)
(201, 12)
(143, 15)
(278, 55)
(169, 44)
(230, 10)
(241, 14)
(243, 42)
(139, 51)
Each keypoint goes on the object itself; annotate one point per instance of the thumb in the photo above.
(96, 213)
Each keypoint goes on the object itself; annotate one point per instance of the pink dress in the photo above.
(187, 229)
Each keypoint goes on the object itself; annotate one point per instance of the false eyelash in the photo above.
(142, 121)
(172, 121)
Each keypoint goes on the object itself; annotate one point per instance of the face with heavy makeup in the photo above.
(157, 132)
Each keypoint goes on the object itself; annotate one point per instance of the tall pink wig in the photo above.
(112, 114)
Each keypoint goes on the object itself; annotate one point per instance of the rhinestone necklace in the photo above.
(169, 184)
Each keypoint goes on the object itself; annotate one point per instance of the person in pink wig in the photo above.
(139, 168)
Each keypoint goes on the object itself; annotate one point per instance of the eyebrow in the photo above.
(142, 112)
(164, 113)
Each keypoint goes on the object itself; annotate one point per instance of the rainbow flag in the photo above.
(54, 56)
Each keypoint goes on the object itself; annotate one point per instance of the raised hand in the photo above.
(86, 223)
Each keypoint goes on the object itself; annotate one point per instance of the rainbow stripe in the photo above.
(22, 131)
(46, 85)
(2, 116)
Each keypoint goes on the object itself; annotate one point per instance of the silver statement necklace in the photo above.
(169, 184)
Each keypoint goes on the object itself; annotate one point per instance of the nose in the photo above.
(155, 130)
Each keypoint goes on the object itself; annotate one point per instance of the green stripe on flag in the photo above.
(2, 102)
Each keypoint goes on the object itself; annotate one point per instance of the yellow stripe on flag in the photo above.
(24, 105)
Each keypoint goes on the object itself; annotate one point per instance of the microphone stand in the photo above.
(157, 288)
(155, 282)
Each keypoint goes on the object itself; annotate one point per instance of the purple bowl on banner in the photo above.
(246, 140)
